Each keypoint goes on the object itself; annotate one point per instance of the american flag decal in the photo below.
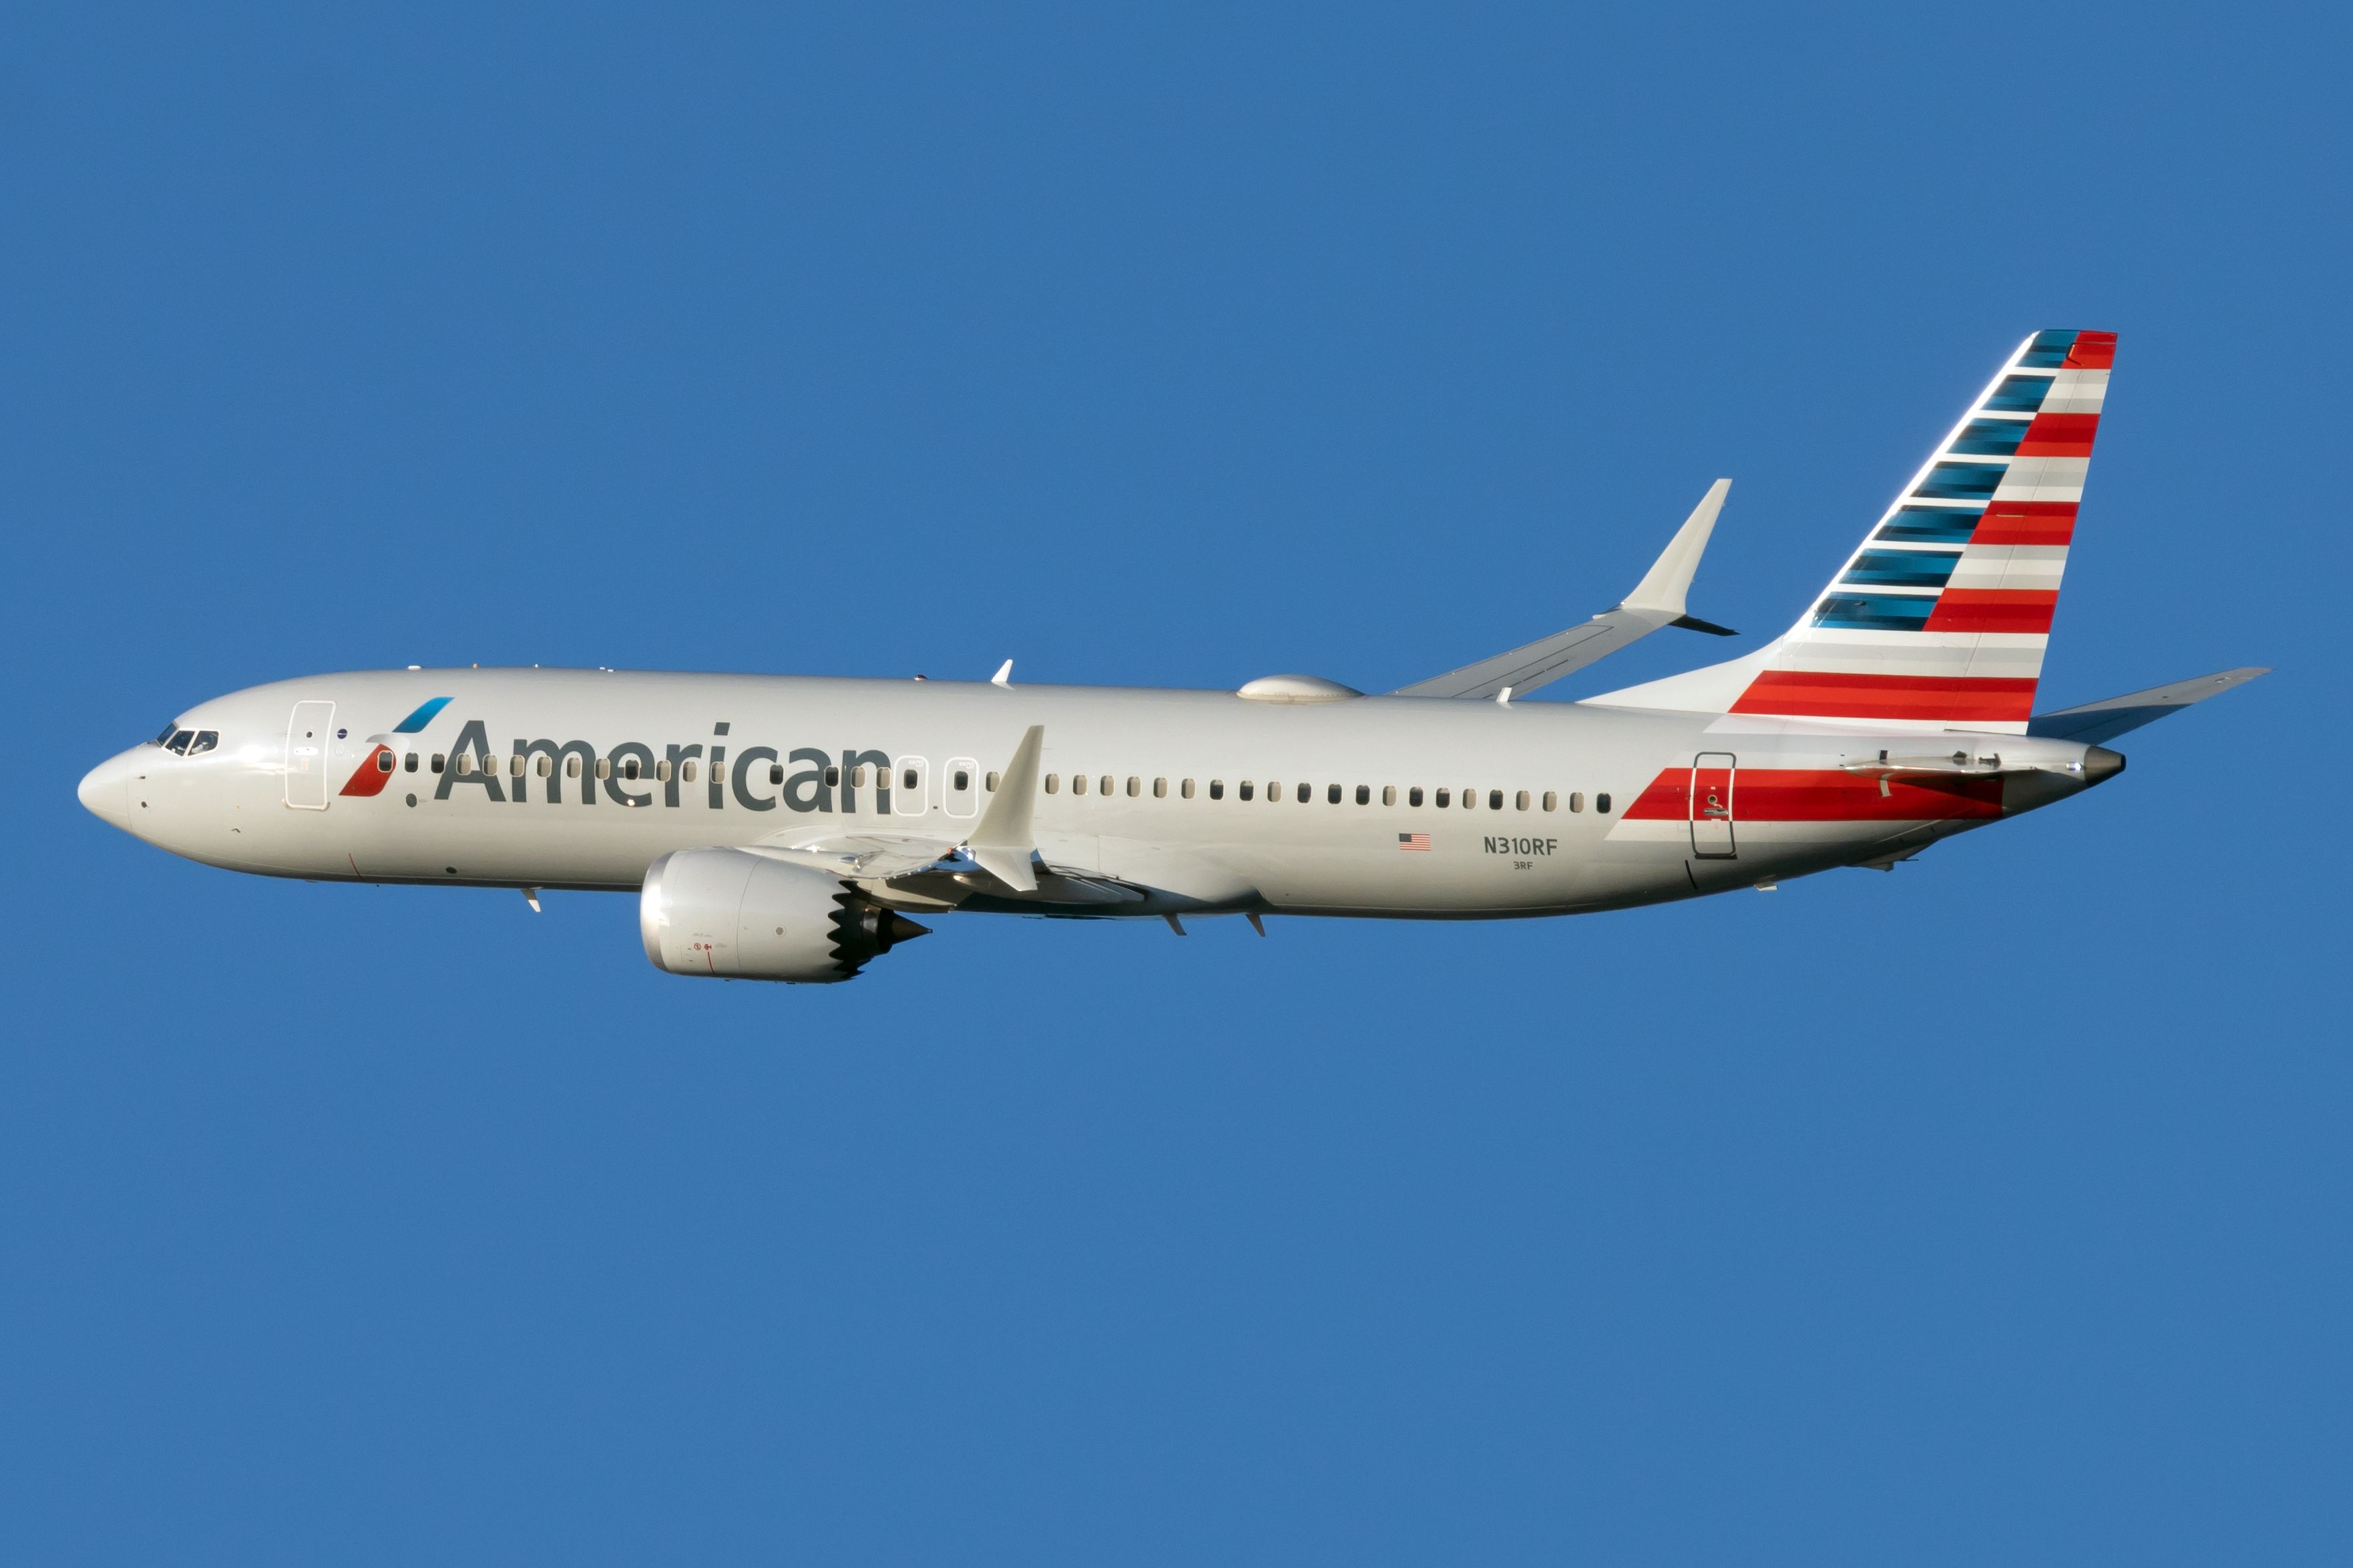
(1410, 842)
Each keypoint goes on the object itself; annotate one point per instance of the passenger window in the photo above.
(1576, 800)
(775, 773)
(1469, 800)
(832, 777)
(1244, 789)
(1413, 796)
(1520, 801)
(858, 776)
(1216, 789)
(1160, 789)
(603, 767)
(572, 765)
(686, 771)
(907, 779)
(408, 763)
(1134, 786)
(631, 768)
(546, 764)
(1053, 783)
(963, 780)
(1363, 794)
(1445, 798)
(384, 761)
(1601, 804)
(991, 781)
(662, 771)
(719, 772)
(1106, 786)
(1388, 795)
(1078, 784)
(1332, 795)
(514, 765)
(439, 761)
(1186, 789)
(1494, 800)
(1551, 800)
(463, 765)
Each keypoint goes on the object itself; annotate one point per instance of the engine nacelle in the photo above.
(732, 914)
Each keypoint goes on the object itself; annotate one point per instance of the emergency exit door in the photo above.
(307, 735)
(1711, 806)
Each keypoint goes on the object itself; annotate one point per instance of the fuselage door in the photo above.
(307, 735)
(1711, 806)
(911, 790)
(961, 795)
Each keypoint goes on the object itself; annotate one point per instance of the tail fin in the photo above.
(1940, 618)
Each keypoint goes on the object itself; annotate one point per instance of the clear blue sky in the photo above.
(1994, 1210)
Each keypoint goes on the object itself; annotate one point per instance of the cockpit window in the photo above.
(204, 742)
(179, 741)
(166, 733)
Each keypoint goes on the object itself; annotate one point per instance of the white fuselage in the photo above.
(1530, 809)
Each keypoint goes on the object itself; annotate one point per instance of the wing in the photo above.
(2095, 722)
(1657, 601)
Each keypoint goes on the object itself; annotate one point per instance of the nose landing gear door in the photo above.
(1711, 806)
(308, 734)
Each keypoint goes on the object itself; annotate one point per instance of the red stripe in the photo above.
(1825, 795)
(370, 779)
(1959, 698)
(2060, 436)
(2092, 351)
(1992, 610)
(2026, 522)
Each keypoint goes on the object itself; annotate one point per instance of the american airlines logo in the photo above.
(757, 778)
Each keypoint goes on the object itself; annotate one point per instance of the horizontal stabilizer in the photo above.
(2095, 722)
(1657, 601)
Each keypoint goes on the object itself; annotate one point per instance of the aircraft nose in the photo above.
(2101, 765)
(105, 789)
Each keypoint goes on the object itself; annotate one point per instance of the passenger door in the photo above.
(1711, 806)
(308, 733)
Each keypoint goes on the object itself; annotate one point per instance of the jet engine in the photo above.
(735, 914)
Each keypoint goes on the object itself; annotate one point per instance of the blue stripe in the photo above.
(1931, 524)
(1989, 439)
(1903, 568)
(422, 717)
(1960, 481)
(1873, 613)
(2049, 350)
(2019, 395)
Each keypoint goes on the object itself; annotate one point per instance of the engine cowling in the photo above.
(732, 914)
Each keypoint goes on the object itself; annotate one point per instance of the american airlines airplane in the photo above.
(790, 828)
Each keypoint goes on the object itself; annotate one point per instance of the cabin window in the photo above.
(961, 779)
(832, 776)
(1520, 801)
(991, 782)
(1551, 800)
(1388, 795)
(383, 761)
(1332, 795)
(1445, 798)
(1413, 796)
(686, 771)
(408, 763)
(1216, 789)
(1576, 800)
(1494, 800)
(572, 766)
(662, 770)
(1469, 800)
(545, 766)
(1186, 789)
(1053, 783)
(718, 772)
(1160, 789)
(907, 779)
(1134, 786)
(439, 761)
(1078, 784)
(1601, 804)
(1363, 794)
(1106, 786)
(603, 767)
(775, 773)
(631, 767)
(1243, 790)
(465, 766)
(1273, 794)
(858, 776)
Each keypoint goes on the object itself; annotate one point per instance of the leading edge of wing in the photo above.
(1657, 601)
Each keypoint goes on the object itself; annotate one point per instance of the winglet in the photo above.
(1002, 840)
(1662, 587)
(1004, 676)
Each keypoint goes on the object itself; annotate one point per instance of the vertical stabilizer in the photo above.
(1940, 618)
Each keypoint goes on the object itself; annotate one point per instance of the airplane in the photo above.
(794, 828)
